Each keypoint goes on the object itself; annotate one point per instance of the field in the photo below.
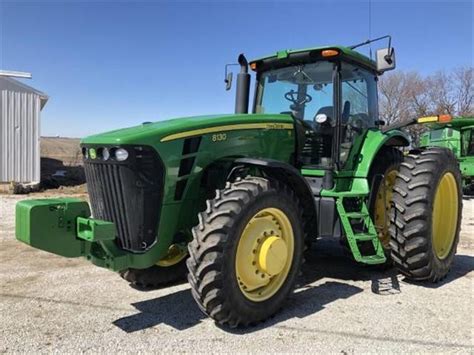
(66, 150)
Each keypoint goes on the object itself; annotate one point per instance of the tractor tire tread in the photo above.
(207, 248)
(415, 187)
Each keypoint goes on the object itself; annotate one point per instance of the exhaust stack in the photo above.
(243, 86)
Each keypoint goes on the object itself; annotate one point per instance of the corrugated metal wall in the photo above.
(19, 136)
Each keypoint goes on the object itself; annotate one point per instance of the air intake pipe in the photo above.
(243, 86)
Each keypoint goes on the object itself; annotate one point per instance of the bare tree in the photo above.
(442, 93)
(405, 95)
(392, 97)
(464, 79)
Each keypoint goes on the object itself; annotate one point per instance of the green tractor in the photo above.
(458, 136)
(233, 200)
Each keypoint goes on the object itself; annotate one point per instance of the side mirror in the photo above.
(228, 81)
(385, 59)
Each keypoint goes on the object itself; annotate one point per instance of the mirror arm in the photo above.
(375, 40)
(227, 79)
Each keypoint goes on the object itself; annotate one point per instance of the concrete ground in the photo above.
(52, 304)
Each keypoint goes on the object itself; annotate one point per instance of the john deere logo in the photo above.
(92, 153)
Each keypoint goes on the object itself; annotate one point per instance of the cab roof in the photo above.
(309, 55)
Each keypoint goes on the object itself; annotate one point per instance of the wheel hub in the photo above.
(445, 216)
(382, 207)
(264, 254)
(273, 255)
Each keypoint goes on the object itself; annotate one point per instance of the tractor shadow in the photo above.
(326, 260)
(179, 310)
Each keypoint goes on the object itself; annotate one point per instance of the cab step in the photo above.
(363, 236)
(369, 233)
(355, 215)
(373, 259)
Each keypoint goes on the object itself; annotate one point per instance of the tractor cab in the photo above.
(325, 97)
(467, 142)
(331, 92)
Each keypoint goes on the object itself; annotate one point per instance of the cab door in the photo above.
(358, 113)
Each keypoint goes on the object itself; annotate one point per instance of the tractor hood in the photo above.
(147, 133)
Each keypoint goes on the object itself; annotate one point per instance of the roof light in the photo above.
(438, 118)
(427, 119)
(253, 66)
(329, 53)
(444, 118)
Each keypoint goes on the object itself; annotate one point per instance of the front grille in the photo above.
(128, 193)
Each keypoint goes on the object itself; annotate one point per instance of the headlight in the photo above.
(105, 154)
(121, 154)
(92, 153)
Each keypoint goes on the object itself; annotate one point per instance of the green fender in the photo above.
(374, 141)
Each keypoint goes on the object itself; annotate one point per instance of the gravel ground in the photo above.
(52, 304)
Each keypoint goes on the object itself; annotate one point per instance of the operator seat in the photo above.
(326, 132)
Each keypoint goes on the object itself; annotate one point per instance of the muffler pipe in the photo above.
(243, 86)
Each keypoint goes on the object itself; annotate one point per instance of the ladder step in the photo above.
(373, 259)
(356, 215)
(364, 236)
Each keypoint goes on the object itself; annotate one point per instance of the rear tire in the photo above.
(426, 214)
(219, 272)
(381, 178)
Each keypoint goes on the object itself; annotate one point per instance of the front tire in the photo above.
(170, 269)
(426, 214)
(246, 252)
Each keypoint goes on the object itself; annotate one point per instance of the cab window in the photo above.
(358, 107)
(467, 142)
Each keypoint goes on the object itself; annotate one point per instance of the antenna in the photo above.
(370, 27)
(15, 74)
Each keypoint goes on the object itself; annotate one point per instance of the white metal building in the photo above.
(20, 107)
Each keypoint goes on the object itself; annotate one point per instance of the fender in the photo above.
(290, 175)
(373, 142)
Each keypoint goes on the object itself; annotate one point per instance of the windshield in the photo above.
(304, 90)
(307, 92)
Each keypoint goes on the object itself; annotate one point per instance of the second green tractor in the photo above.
(232, 200)
(456, 135)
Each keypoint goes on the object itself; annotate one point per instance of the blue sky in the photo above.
(113, 64)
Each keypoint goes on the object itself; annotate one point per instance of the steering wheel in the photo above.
(355, 124)
(292, 96)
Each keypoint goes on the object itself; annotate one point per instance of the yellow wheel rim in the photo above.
(382, 207)
(264, 254)
(175, 254)
(445, 215)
